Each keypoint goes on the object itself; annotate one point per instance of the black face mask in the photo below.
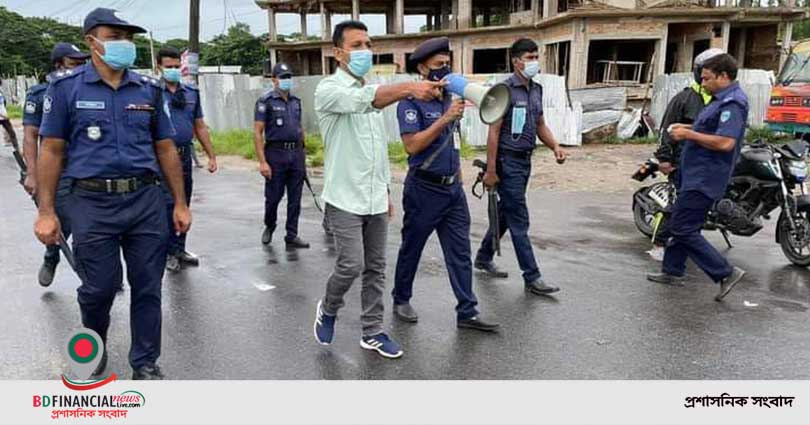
(439, 73)
(178, 99)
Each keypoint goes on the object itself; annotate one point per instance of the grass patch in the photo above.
(240, 143)
(14, 111)
(766, 135)
(615, 140)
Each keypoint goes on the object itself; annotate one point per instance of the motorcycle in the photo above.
(764, 179)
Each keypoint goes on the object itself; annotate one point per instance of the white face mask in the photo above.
(530, 69)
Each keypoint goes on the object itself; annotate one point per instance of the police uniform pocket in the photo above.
(93, 126)
(279, 118)
(138, 119)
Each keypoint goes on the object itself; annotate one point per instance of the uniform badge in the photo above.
(46, 104)
(280, 122)
(93, 132)
(30, 107)
(262, 107)
(410, 116)
(725, 115)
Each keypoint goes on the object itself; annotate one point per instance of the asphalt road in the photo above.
(247, 311)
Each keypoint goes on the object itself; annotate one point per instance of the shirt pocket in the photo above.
(279, 118)
(139, 125)
(93, 126)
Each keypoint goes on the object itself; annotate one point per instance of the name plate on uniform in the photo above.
(90, 104)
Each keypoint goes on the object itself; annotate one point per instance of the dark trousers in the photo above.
(513, 215)
(177, 244)
(104, 226)
(63, 190)
(427, 208)
(289, 170)
(685, 225)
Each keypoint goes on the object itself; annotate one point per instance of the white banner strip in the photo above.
(409, 402)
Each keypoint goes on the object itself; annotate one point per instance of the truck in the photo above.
(789, 107)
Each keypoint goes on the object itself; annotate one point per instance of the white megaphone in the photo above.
(493, 102)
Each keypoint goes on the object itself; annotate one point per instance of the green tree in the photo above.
(237, 47)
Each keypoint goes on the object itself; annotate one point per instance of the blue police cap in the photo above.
(103, 16)
(67, 50)
(429, 48)
(282, 70)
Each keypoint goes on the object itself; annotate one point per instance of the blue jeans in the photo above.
(513, 216)
(427, 208)
(685, 225)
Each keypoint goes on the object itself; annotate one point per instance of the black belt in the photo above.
(516, 154)
(289, 146)
(435, 178)
(127, 185)
(182, 150)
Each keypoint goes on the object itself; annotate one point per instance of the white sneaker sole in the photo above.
(381, 352)
(315, 325)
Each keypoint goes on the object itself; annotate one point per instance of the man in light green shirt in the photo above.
(356, 179)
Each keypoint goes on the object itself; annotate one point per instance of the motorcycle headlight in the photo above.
(806, 101)
(777, 101)
(798, 169)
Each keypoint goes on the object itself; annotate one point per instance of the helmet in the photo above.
(702, 58)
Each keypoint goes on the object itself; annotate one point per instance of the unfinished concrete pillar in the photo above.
(437, 20)
(454, 11)
(661, 54)
(787, 39)
(445, 10)
(356, 10)
(389, 19)
(487, 16)
(578, 70)
(271, 24)
(303, 16)
(535, 8)
(464, 14)
(326, 25)
(725, 33)
(429, 22)
(742, 39)
(399, 16)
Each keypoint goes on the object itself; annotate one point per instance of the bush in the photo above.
(766, 135)
(14, 111)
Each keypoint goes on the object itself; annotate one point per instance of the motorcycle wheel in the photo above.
(643, 218)
(795, 244)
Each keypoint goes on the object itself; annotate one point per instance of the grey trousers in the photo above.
(360, 242)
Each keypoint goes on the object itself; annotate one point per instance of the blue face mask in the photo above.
(285, 84)
(531, 68)
(118, 54)
(172, 75)
(518, 120)
(360, 62)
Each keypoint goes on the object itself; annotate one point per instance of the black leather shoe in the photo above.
(478, 324)
(491, 270)
(296, 243)
(406, 313)
(147, 373)
(102, 366)
(267, 236)
(46, 273)
(538, 287)
(727, 284)
(172, 263)
(665, 278)
(188, 258)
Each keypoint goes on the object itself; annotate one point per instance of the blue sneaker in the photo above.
(383, 345)
(324, 326)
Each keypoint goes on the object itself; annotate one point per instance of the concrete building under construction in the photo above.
(591, 42)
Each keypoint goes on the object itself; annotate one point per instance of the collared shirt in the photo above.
(356, 168)
(282, 118)
(32, 112)
(183, 117)
(416, 115)
(682, 109)
(527, 101)
(709, 171)
(111, 133)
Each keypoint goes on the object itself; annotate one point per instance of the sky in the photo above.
(168, 19)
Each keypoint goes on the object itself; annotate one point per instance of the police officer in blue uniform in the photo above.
(187, 117)
(112, 128)
(64, 56)
(433, 198)
(279, 141)
(711, 148)
(510, 145)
